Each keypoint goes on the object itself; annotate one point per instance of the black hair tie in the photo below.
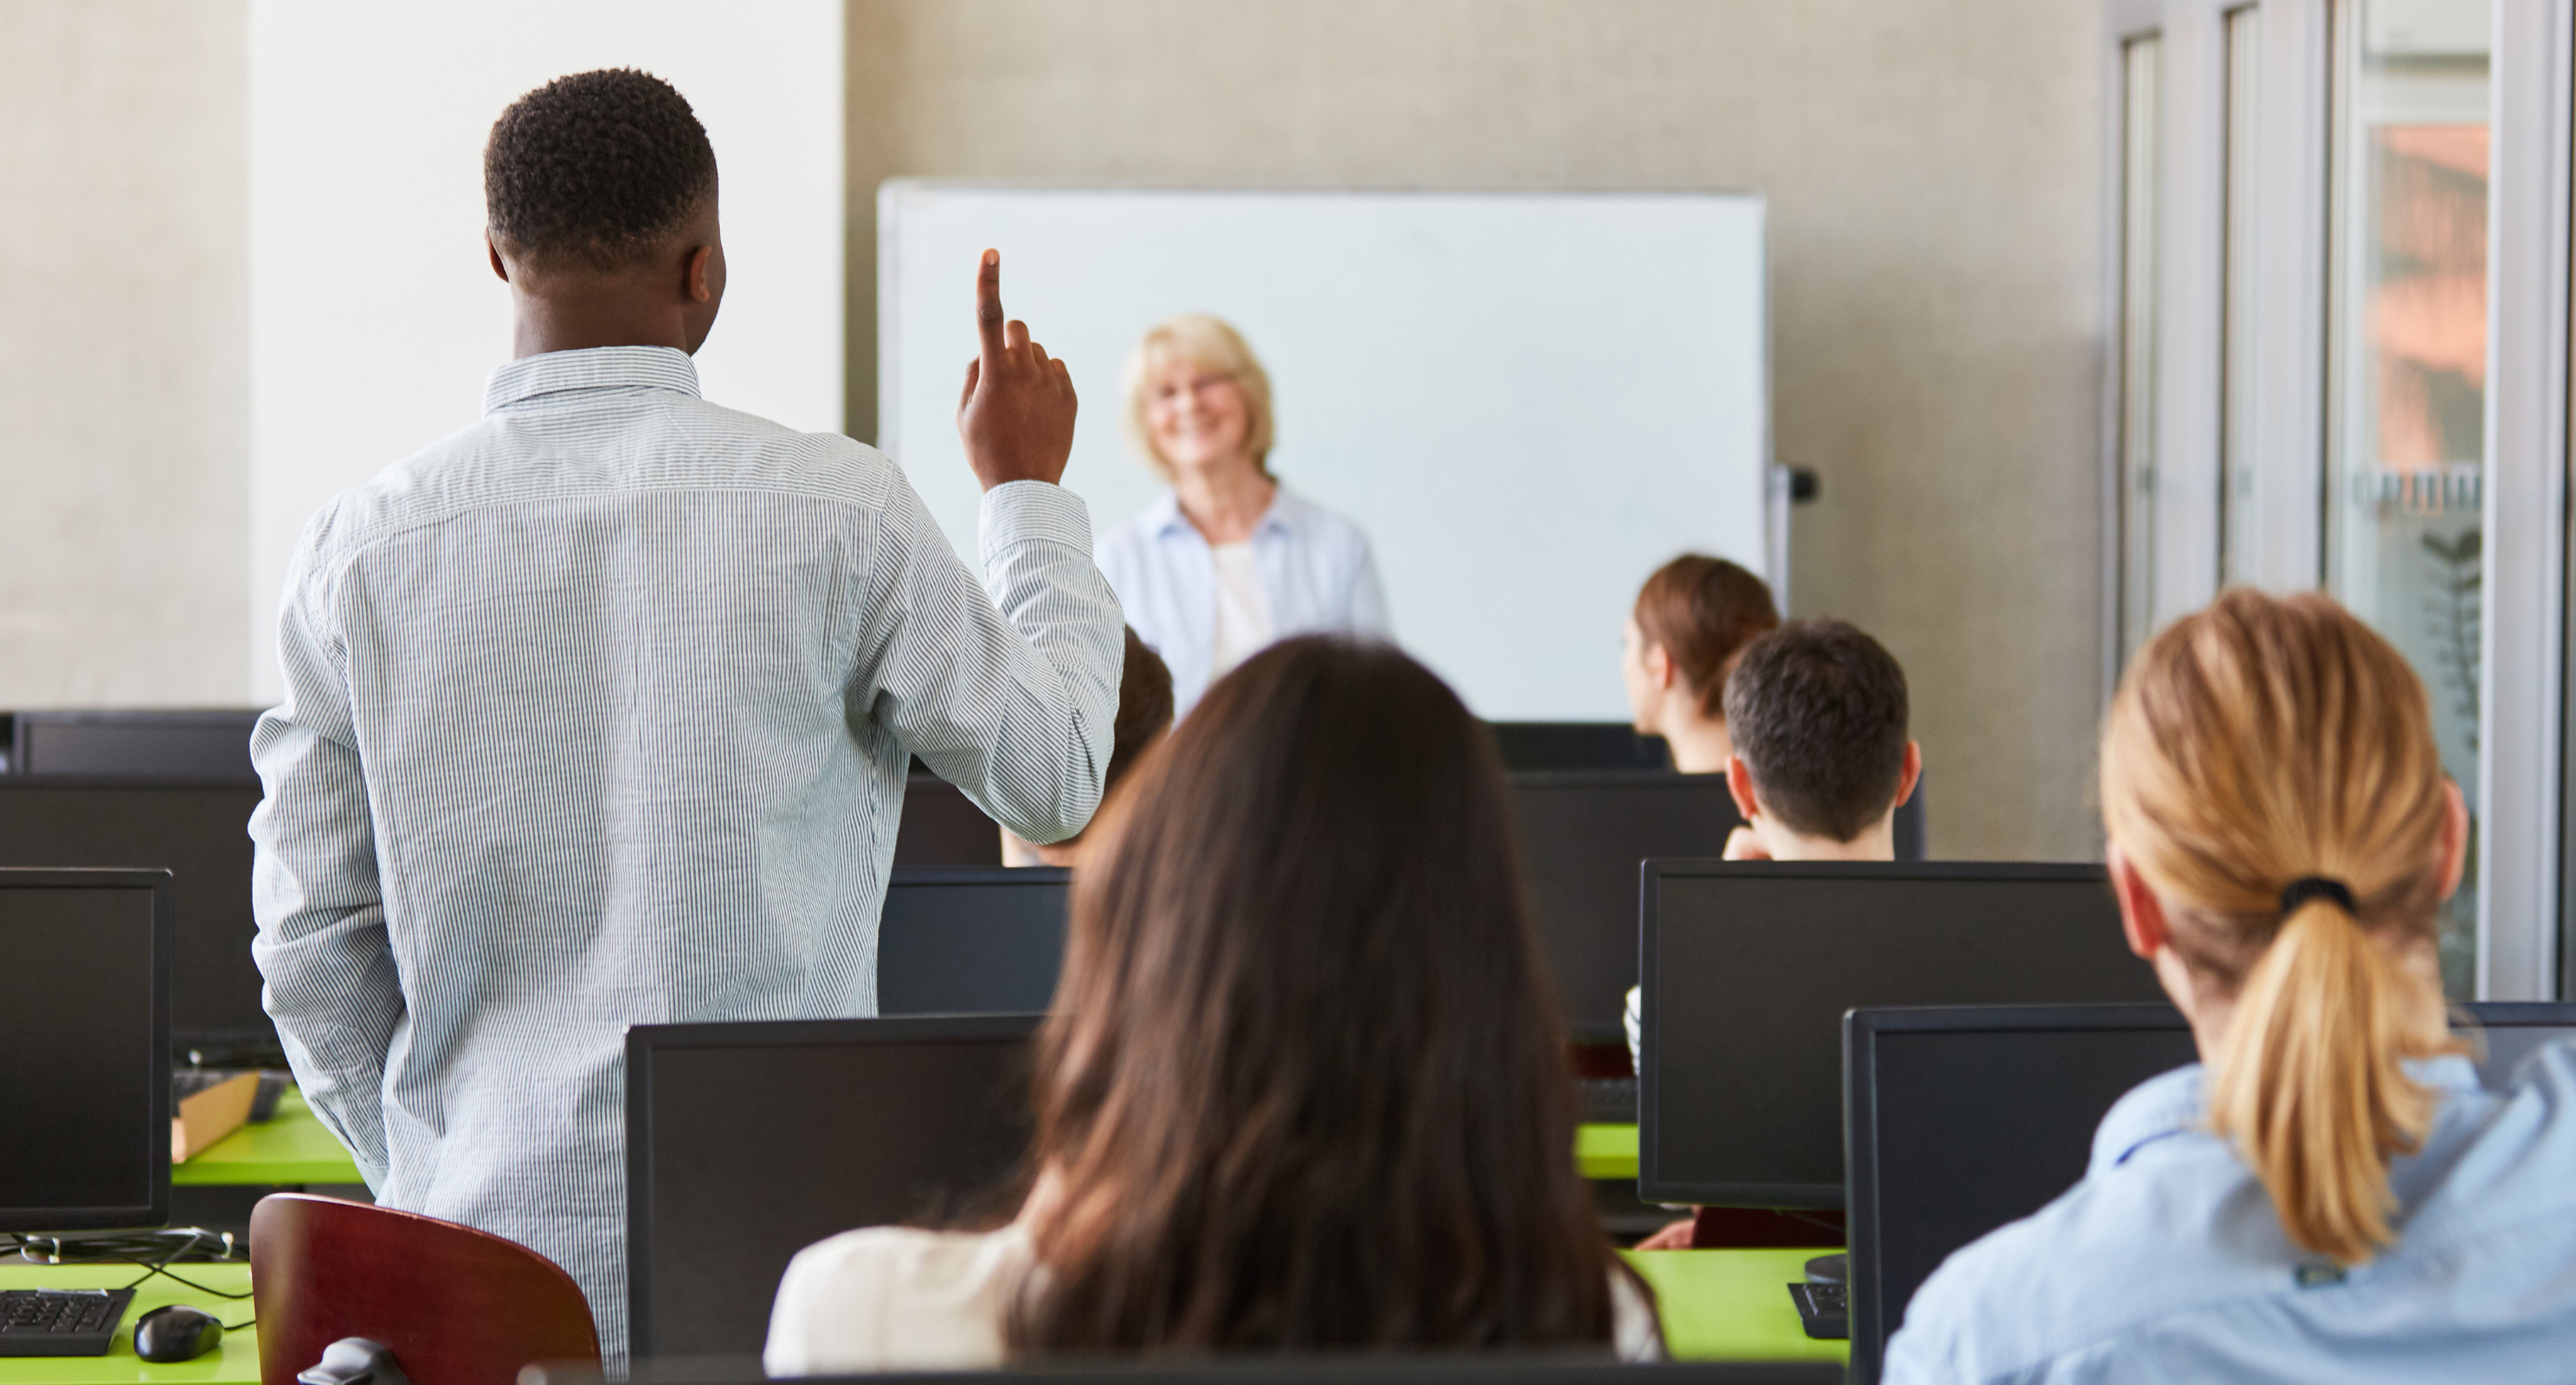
(2308, 887)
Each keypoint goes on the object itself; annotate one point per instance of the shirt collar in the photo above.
(1168, 519)
(2172, 1103)
(595, 368)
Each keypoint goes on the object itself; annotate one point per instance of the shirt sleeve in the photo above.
(331, 983)
(1009, 689)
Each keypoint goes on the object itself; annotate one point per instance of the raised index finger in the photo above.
(988, 306)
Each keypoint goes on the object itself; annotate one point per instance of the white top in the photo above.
(1314, 569)
(1242, 611)
(890, 1298)
(478, 861)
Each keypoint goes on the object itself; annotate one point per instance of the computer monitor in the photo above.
(199, 830)
(1585, 834)
(1750, 966)
(85, 1049)
(941, 826)
(971, 942)
(746, 1143)
(1962, 1120)
(153, 744)
(1551, 745)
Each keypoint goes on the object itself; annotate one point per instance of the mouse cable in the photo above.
(150, 1270)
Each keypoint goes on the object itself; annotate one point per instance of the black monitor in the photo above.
(941, 826)
(153, 744)
(746, 1143)
(1549, 745)
(971, 942)
(1586, 832)
(84, 1049)
(1750, 966)
(1962, 1120)
(199, 830)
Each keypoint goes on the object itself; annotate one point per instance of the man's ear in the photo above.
(1911, 774)
(2142, 915)
(1739, 786)
(694, 274)
(493, 249)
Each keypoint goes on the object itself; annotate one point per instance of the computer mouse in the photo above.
(176, 1332)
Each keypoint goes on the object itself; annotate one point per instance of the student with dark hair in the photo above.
(2329, 1194)
(1822, 759)
(597, 713)
(1691, 620)
(1303, 1087)
(1144, 714)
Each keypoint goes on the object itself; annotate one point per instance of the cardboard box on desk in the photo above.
(210, 1115)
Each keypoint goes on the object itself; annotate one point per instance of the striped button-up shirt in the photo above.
(596, 715)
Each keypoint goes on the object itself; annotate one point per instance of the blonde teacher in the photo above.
(1227, 560)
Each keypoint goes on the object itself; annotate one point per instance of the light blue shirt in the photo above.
(2167, 1263)
(1316, 574)
(597, 714)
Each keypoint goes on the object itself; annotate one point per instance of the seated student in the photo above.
(1303, 1087)
(2327, 1194)
(1821, 760)
(1144, 714)
(1690, 620)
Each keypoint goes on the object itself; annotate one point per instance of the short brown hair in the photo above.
(1304, 1084)
(1817, 711)
(1701, 610)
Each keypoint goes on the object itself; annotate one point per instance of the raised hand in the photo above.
(1016, 416)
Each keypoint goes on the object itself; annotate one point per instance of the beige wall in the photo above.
(123, 467)
(1932, 167)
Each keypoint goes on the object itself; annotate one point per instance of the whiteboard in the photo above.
(1528, 401)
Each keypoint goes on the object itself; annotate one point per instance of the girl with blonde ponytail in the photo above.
(2328, 1194)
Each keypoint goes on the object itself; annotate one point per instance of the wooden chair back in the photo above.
(456, 1306)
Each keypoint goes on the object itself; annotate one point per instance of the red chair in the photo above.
(455, 1305)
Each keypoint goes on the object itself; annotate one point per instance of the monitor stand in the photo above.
(1829, 1269)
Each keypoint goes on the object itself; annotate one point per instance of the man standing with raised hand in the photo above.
(597, 712)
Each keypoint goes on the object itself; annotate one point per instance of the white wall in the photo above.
(374, 317)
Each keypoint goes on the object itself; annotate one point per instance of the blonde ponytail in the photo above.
(2269, 768)
(2308, 1083)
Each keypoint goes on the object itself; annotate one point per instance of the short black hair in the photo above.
(594, 169)
(1817, 711)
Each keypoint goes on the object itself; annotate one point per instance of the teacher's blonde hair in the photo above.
(1208, 343)
(2254, 744)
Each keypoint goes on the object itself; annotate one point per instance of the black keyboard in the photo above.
(60, 1322)
(1825, 1309)
(1608, 1100)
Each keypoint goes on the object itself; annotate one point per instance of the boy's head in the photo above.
(1818, 713)
(600, 185)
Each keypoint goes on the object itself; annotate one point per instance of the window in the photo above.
(2406, 444)
(2141, 148)
(2240, 527)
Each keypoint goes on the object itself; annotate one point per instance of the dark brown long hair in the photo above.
(1304, 1086)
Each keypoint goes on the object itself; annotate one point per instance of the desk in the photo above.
(1718, 1305)
(1604, 1152)
(290, 1148)
(236, 1362)
(1723, 1305)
